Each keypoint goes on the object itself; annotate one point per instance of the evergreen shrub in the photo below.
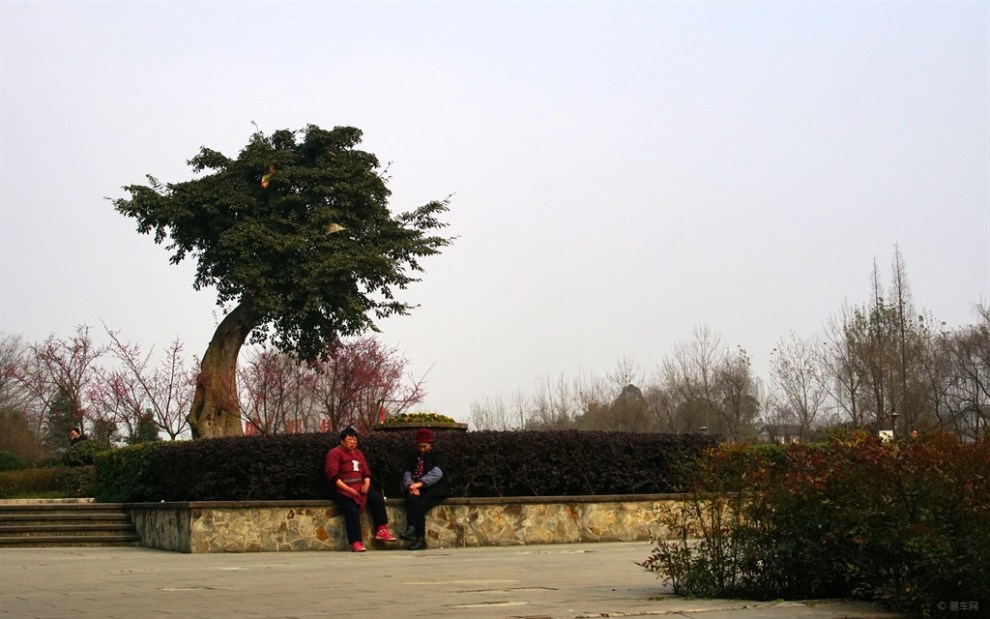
(127, 475)
(84, 452)
(10, 462)
(48, 482)
(905, 523)
(76, 481)
(27, 483)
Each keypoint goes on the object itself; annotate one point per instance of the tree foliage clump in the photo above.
(297, 237)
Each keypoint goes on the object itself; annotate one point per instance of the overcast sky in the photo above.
(622, 173)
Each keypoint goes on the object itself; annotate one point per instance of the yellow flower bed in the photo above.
(424, 418)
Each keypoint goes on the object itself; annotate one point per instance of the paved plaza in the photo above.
(559, 581)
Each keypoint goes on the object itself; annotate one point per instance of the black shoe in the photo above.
(419, 544)
(409, 534)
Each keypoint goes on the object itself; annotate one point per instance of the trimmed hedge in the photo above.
(127, 474)
(84, 452)
(49, 482)
(481, 464)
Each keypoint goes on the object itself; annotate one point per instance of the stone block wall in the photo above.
(268, 526)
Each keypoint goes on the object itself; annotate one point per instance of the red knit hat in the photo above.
(424, 435)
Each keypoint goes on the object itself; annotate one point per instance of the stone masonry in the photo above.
(272, 526)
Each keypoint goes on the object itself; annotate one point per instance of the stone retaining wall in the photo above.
(265, 526)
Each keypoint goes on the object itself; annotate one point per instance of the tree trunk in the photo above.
(215, 409)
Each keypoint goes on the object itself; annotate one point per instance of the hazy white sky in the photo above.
(622, 172)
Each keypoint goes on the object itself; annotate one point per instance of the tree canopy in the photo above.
(277, 246)
(296, 235)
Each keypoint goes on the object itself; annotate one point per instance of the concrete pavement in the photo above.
(560, 581)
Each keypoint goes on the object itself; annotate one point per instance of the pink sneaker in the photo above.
(357, 547)
(385, 535)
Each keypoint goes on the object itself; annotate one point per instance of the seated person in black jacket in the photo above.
(424, 483)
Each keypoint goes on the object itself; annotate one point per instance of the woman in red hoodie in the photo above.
(350, 488)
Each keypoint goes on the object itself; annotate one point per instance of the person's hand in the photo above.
(414, 490)
(366, 486)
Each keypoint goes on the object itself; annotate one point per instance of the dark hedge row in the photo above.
(481, 464)
(48, 482)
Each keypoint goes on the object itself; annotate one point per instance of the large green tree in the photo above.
(297, 236)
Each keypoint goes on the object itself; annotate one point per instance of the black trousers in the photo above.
(352, 513)
(416, 508)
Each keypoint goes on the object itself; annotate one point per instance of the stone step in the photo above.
(36, 541)
(45, 529)
(9, 507)
(40, 518)
(65, 524)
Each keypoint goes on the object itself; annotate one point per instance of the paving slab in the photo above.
(572, 581)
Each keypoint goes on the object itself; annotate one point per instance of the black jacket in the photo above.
(433, 458)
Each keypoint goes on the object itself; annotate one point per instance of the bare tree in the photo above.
(276, 393)
(968, 398)
(362, 382)
(661, 406)
(117, 405)
(492, 413)
(171, 388)
(910, 329)
(737, 402)
(799, 382)
(519, 410)
(497, 413)
(556, 405)
(626, 372)
(16, 403)
(840, 367)
(938, 373)
(58, 372)
(165, 391)
(689, 379)
(880, 357)
(873, 336)
(778, 424)
(13, 357)
(35, 388)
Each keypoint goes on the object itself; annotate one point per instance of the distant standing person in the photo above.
(424, 481)
(350, 488)
(76, 436)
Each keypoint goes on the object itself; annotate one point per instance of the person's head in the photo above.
(349, 438)
(424, 439)
(75, 433)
